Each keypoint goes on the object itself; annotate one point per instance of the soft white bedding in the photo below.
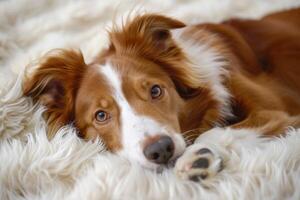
(31, 167)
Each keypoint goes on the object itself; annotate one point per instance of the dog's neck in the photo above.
(205, 55)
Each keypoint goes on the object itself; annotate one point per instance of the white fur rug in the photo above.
(31, 167)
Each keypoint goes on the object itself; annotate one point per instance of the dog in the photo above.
(161, 83)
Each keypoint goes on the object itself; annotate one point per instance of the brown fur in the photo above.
(55, 84)
(263, 58)
(271, 92)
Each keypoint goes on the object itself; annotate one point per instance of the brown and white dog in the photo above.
(161, 82)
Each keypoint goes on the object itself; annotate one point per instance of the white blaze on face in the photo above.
(134, 127)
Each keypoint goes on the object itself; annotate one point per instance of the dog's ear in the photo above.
(54, 84)
(149, 36)
(146, 35)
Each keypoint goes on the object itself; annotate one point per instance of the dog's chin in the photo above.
(158, 167)
(147, 164)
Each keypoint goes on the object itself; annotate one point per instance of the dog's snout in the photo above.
(160, 150)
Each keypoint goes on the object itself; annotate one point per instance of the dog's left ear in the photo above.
(147, 35)
(150, 36)
(54, 84)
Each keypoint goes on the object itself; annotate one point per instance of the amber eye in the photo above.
(156, 91)
(101, 116)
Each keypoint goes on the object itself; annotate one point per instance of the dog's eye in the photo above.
(101, 116)
(156, 92)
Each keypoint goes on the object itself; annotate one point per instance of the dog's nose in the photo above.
(160, 151)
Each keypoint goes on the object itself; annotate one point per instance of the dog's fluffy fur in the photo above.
(66, 167)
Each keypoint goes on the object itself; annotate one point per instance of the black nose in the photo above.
(160, 151)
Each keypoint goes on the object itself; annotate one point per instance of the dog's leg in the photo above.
(211, 152)
(269, 122)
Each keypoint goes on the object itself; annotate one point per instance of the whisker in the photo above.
(189, 139)
(192, 130)
(190, 135)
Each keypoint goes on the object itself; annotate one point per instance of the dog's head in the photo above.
(137, 96)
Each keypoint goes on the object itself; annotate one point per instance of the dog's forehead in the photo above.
(128, 65)
(94, 84)
(118, 78)
(101, 82)
(113, 77)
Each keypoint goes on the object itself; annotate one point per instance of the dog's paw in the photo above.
(198, 163)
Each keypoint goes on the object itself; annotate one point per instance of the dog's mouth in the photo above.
(171, 164)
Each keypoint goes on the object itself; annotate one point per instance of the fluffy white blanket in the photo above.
(31, 167)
